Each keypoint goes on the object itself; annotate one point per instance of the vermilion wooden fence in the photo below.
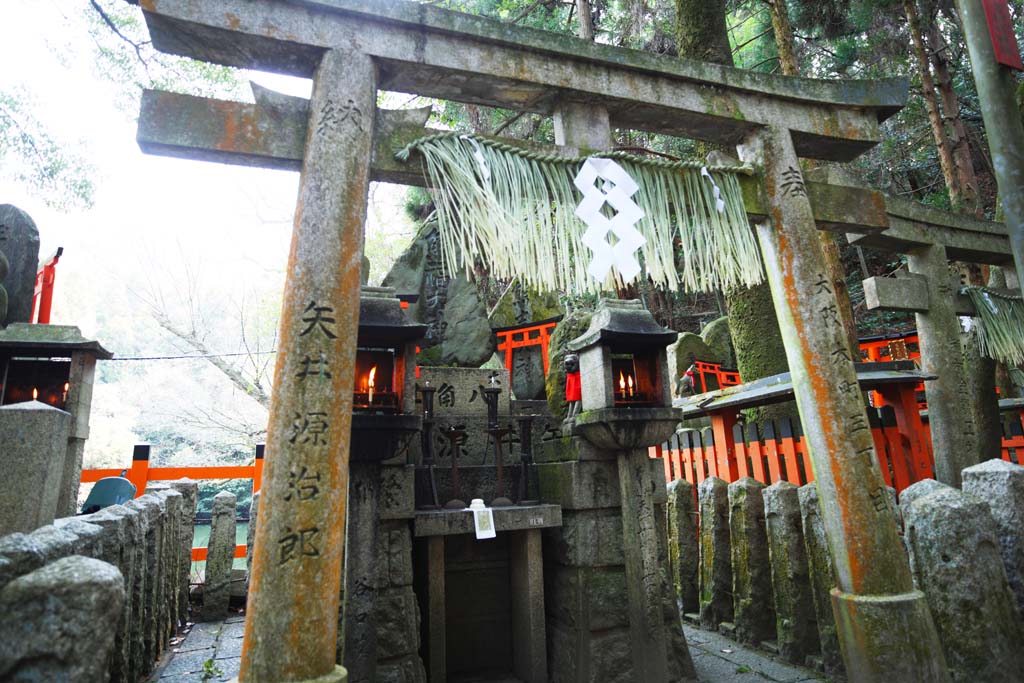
(140, 473)
(774, 451)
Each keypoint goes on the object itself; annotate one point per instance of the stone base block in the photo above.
(888, 638)
(339, 675)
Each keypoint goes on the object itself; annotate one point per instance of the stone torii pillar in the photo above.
(930, 238)
(292, 615)
(885, 629)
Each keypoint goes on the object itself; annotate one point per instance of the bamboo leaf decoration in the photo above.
(513, 210)
(999, 321)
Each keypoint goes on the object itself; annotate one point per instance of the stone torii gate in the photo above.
(930, 237)
(351, 48)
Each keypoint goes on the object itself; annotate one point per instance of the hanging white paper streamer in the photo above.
(478, 154)
(616, 189)
(717, 191)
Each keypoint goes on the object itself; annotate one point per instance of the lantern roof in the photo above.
(382, 320)
(626, 326)
(55, 340)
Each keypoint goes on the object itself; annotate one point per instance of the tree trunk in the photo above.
(586, 15)
(961, 147)
(931, 103)
(701, 34)
(783, 37)
(701, 31)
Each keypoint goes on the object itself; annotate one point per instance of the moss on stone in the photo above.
(757, 343)
(573, 325)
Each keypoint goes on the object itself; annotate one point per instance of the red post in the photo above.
(139, 472)
(42, 297)
(257, 472)
(725, 449)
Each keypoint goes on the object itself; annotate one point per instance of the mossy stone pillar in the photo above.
(885, 630)
(715, 556)
(292, 617)
(753, 611)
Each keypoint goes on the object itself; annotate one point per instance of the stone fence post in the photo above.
(683, 552)
(220, 555)
(822, 575)
(753, 611)
(715, 556)
(955, 559)
(795, 623)
(1000, 485)
(59, 621)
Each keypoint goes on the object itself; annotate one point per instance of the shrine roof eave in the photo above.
(449, 55)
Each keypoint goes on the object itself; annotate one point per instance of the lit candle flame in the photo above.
(67, 385)
(630, 381)
(622, 384)
(35, 394)
(369, 382)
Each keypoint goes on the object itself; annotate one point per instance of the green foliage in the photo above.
(210, 671)
(125, 56)
(29, 154)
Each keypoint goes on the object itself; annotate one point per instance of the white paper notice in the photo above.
(603, 181)
(484, 520)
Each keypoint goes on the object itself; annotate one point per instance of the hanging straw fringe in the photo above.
(1000, 324)
(513, 210)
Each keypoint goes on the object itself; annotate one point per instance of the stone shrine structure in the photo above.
(340, 142)
(19, 259)
(55, 366)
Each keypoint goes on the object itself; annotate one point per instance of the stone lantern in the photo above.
(384, 400)
(626, 408)
(383, 423)
(625, 382)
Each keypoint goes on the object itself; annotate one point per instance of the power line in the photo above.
(208, 355)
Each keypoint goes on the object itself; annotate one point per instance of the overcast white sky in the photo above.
(149, 211)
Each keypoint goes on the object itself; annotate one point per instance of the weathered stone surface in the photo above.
(189, 491)
(795, 623)
(571, 326)
(397, 623)
(822, 577)
(589, 538)
(955, 557)
(467, 340)
(34, 438)
(753, 608)
(459, 403)
(715, 554)
(19, 243)
(219, 558)
(1000, 485)
(364, 574)
(688, 348)
(18, 555)
(397, 500)
(119, 551)
(683, 548)
(152, 508)
(719, 340)
(59, 621)
(587, 598)
(584, 485)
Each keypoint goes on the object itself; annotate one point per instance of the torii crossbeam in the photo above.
(351, 48)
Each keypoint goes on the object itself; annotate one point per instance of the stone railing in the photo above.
(97, 597)
(757, 565)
